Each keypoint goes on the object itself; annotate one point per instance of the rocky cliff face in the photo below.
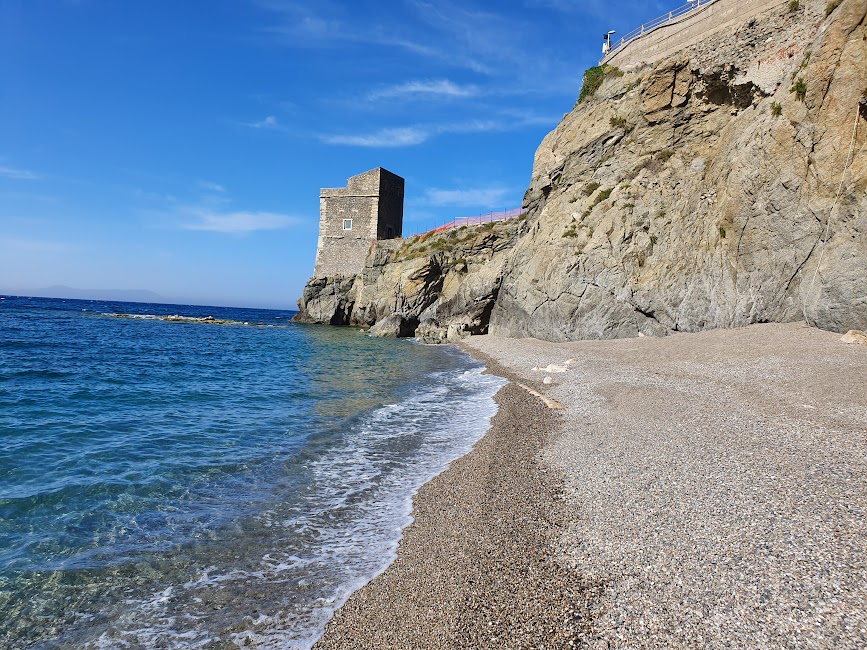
(723, 186)
(445, 282)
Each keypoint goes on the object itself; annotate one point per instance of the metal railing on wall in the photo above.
(655, 23)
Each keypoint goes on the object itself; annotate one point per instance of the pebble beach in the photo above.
(695, 491)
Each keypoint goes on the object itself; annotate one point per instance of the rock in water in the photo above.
(394, 326)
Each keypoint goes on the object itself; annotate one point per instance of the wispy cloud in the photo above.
(484, 197)
(421, 133)
(558, 5)
(238, 222)
(498, 44)
(208, 207)
(301, 24)
(432, 88)
(269, 122)
(402, 137)
(18, 174)
(212, 187)
(596, 7)
(327, 24)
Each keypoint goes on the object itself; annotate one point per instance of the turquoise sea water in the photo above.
(185, 485)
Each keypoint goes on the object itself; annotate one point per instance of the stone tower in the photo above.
(370, 207)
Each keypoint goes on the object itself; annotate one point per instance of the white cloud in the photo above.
(270, 122)
(239, 222)
(517, 118)
(484, 197)
(421, 133)
(210, 211)
(212, 187)
(436, 88)
(18, 174)
(402, 137)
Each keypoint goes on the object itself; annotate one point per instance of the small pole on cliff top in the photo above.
(606, 42)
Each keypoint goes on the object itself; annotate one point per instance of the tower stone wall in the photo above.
(369, 208)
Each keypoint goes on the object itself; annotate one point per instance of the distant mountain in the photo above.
(122, 295)
(140, 295)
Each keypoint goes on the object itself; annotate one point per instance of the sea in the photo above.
(198, 485)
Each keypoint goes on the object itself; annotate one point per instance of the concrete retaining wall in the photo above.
(688, 30)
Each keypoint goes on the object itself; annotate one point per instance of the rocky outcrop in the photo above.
(723, 186)
(394, 326)
(327, 300)
(447, 281)
(856, 337)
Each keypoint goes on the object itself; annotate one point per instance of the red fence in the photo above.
(457, 222)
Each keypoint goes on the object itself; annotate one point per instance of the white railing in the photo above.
(657, 22)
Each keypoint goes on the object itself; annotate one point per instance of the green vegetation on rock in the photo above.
(604, 194)
(803, 64)
(800, 89)
(593, 79)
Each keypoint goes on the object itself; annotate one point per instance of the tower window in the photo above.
(347, 224)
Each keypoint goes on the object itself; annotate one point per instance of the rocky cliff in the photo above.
(441, 284)
(722, 186)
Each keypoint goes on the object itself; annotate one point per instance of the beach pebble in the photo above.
(854, 336)
(715, 505)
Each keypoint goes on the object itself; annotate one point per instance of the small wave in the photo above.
(269, 470)
(341, 532)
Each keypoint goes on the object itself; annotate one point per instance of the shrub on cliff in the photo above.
(593, 79)
(800, 89)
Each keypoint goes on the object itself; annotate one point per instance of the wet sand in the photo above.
(701, 490)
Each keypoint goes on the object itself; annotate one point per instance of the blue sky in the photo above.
(179, 147)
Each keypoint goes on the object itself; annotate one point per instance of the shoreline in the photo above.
(700, 489)
(477, 567)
